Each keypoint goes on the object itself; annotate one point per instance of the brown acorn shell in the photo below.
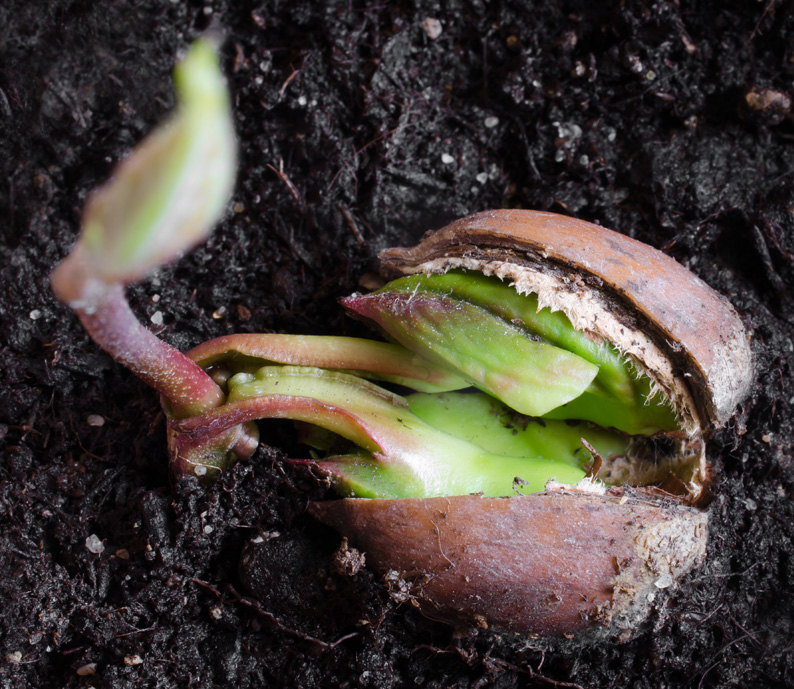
(549, 564)
(569, 561)
(684, 334)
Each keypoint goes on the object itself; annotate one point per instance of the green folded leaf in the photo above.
(643, 418)
(408, 456)
(616, 377)
(531, 377)
(368, 476)
(167, 195)
(489, 424)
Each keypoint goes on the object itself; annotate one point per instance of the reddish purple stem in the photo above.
(109, 320)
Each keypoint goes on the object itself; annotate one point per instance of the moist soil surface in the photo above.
(361, 126)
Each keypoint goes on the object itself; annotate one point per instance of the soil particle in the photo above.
(359, 131)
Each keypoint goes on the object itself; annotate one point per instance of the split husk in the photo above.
(572, 560)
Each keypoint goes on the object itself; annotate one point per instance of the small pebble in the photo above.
(35, 314)
(447, 159)
(157, 318)
(208, 529)
(87, 669)
(491, 122)
(663, 582)
(432, 28)
(123, 554)
(94, 544)
(15, 657)
(133, 660)
(95, 420)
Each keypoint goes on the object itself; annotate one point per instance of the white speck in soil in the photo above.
(86, 670)
(432, 28)
(94, 544)
(447, 159)
(95, 420)
(157, 318)
(491, 122)
(663, 582)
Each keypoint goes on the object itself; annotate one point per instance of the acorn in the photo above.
(587, 559)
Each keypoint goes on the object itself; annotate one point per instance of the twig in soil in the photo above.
(744, 630)
(57, 510)
(80, 442)
(719, 658)
(284, 178)
(352, 224)
(534, 675)
(136, 631)
(295, 72)
(711, 614)
(369, 143)
(255, 605)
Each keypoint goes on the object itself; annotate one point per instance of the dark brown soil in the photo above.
(634, 115)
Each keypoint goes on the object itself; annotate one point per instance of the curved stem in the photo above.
(105, 314)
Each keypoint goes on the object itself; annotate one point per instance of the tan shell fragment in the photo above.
(569, 561)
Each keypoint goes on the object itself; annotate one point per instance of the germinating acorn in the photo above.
(596, 358)
(570, 559)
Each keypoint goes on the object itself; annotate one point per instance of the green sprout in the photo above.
(393, 452)
(617, 395)
(500, 396)
(162, 199)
